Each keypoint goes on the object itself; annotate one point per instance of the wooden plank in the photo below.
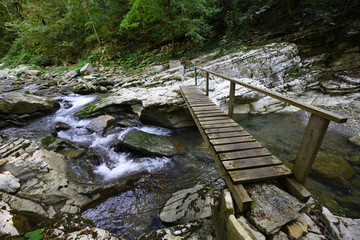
(244, 154)
(226, 129)
(203, 108)
(202, 104)
(201, 119)
(296, 189)
(237, 146)
(227, 134)
(232, 140)
(220, 125)
(211, 114)
(314, 110)
(202, 111)
(251, 163)
(223, 120)
(259, 174)
(313, 136)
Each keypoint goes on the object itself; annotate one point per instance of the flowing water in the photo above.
(281, 134)
(152, 180)
(135, 210)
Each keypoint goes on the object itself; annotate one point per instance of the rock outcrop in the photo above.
(152, 145)
(17, 103)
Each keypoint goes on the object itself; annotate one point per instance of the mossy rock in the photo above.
(152, 145)
(334, 169)
(326, 200)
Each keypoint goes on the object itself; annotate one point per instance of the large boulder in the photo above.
(20, 103)
(152, 145)
(187, 205)
(272, 208)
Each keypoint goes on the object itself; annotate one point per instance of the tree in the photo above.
(166, 20)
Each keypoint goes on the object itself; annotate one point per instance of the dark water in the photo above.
(281, 134)
(133, 212)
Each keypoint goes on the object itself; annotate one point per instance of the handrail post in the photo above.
(313, 136)
(195, 77)
(231, 99)
(207, 84)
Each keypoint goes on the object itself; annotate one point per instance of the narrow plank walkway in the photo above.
(235, 151)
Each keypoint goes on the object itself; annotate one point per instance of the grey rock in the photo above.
(33, 72)
(197, 230)
(6, 223)
(101, 124)
(60, 126)
(150, 144)
(280, 236)
(21, 204)
(174, 64)
(19, 103)
(3, 75)
(8, 182)
(70, 75)
(187, 205)
(272, 207)
(87, 69)
(355, 140)
(254, 234)
(92, 234)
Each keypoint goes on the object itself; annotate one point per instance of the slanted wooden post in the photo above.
(231, 99)
(195, 77)
(207, 84)
(314, 134)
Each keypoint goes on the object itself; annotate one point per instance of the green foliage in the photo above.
(19, 73)
(60, 69)
(46, 141)
(34, 235)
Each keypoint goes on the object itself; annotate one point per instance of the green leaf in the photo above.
(35, 235)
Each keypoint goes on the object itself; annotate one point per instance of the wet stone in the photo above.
(272, 207)
(152, 145)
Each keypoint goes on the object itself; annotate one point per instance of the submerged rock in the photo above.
(355, 140)
(272, 207)
(333, 168)
(60, 126)
(187, 205)
(18, 103)
(151, 144)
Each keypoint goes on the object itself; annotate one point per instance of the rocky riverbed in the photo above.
(72, 139)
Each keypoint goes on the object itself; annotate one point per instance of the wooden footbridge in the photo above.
(239, 157)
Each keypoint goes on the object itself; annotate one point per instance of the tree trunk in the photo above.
(173, 53)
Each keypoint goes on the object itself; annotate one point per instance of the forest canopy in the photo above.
(134, 32)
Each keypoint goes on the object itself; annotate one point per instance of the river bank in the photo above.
(55, 162)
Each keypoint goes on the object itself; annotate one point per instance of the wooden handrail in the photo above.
(309, 108)
(314, 132)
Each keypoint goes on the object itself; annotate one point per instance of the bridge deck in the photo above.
(235, 151)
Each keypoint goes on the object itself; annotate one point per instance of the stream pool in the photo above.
(281, 134)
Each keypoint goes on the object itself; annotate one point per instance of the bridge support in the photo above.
(231, 99)
(314, 134)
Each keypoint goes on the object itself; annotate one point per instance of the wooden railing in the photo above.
(315, 130)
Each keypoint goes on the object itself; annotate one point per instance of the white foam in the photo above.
(155, 130)
(124, 165)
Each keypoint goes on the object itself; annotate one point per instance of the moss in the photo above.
(46, 141)
(131, 181)
(89, 110)
(21, 223)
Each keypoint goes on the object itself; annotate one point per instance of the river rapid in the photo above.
(150, 180)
